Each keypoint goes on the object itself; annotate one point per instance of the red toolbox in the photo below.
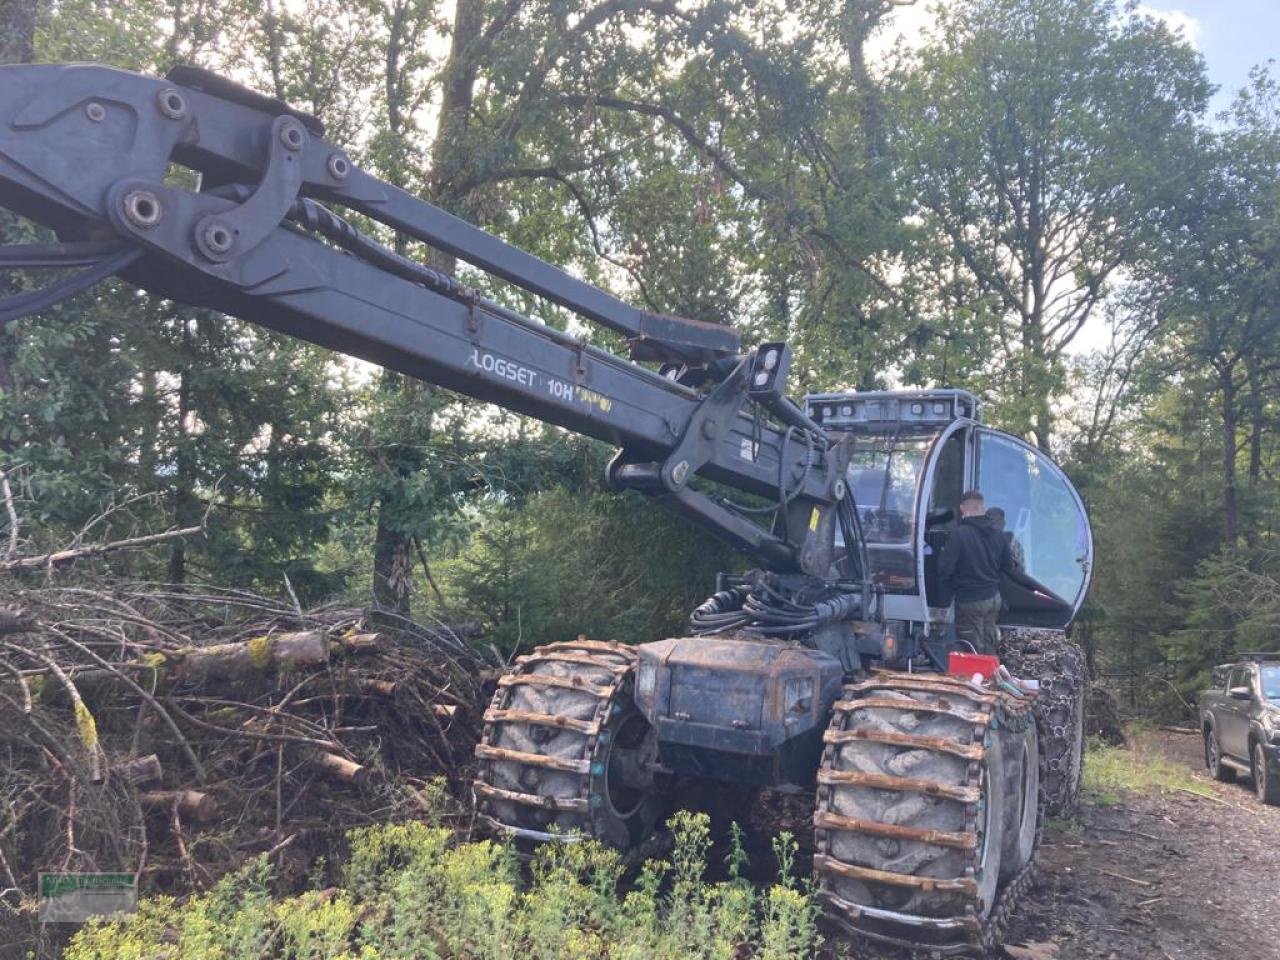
(965, 665)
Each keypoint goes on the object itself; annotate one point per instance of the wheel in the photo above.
(1021, 830)
(911, 823)
(1266, 783)
(1213, 758)
(565, 753)
(1059, 666)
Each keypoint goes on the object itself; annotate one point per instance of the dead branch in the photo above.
(60, 557)
(203, 685)
(7, 491)
(142, 770)
(193, 804)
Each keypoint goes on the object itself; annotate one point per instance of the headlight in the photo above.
(797, 697)
(646, 681)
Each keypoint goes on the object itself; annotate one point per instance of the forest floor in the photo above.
(1164, 876)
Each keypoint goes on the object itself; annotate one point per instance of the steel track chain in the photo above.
(970, 933)
(615, 661)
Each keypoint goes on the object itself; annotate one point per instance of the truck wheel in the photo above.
(1213, 758)
(1265, 780)
(565, 753)
(910, 814)
(1059, 665)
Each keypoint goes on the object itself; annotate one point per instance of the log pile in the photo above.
(179, 732)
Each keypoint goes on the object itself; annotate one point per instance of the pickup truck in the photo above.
(1240, 717)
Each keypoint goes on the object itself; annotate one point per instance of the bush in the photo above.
(412, 891)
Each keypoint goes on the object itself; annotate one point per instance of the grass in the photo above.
(415, 892)
(1110, 773)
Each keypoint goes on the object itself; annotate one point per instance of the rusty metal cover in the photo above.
(743, 696)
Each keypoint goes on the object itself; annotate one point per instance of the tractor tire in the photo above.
(1048, 657)
(911, 825)
(565, 754)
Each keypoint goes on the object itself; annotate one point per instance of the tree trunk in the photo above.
(392, 546)
(185, 508)
(18, 30)
(860, 18)
(1230, 447)
(1257, 418)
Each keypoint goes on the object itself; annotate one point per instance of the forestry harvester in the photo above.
(825, 668)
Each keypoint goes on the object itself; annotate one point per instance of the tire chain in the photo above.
(1059, 665)
(567, 817)
(1005, 711)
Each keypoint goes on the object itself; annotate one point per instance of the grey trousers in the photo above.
(976, 623)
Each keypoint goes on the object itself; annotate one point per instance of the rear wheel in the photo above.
(1059, 666)
(1266, 783)
(1213, 758)
(1021, 755)
(565, 753)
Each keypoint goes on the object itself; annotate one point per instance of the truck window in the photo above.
(1239, 678)
(1271, 683)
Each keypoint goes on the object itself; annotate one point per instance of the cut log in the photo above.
(358, 643)
(192, 804)
(381, 688)
(340, 768)
(12, 622)
(239, 661)
(445, 711)
(142, 770)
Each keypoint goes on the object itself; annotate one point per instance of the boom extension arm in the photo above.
(85, 151)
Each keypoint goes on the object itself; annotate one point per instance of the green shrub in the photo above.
(412, 891)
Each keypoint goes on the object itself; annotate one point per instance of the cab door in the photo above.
(1046, 522)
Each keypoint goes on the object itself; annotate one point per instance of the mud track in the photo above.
(1172, 877)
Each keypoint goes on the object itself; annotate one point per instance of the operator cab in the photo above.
(915, 453)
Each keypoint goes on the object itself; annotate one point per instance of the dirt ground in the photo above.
(1173, 877)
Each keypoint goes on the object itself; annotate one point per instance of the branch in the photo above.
(13, 514)
(94, 550)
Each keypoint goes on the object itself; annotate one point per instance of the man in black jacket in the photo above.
(970, 567)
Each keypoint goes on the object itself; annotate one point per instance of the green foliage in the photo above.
(412, 891)
(566, 563)
(1110, 773)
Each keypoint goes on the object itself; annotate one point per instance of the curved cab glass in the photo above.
(1043, 512)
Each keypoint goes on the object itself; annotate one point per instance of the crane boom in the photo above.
(85, 150)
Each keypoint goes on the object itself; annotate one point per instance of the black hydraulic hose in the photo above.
(45, 256)
(25, 304)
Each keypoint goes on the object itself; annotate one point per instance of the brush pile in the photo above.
(179, 732)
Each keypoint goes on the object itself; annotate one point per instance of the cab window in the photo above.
(1046, 522)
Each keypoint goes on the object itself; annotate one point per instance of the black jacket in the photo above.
(975, 556)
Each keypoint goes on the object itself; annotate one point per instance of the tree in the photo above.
(1221, 267)
(1039, 139)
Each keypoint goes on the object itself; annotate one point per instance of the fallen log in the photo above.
(142, 770)
(382, 688)
(193, 804)
(360, 643)
(340, 768)
(250, 658)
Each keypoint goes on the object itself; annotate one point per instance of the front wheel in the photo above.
(1213, 758)
(565, 753)
(1265, 780)
(911, 826)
